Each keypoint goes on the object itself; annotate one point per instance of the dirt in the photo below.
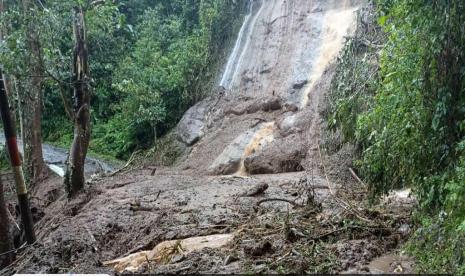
(313, 215)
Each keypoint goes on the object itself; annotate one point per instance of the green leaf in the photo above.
(382, 20)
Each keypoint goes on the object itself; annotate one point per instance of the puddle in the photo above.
(391, 264)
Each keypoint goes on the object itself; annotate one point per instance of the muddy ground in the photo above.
(128, 213)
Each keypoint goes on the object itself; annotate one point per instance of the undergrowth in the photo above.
(403, 106)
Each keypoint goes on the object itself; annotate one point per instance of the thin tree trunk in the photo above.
(30, 102)
(75, 178)
(6, 243)
(155, 139)
(15, 161)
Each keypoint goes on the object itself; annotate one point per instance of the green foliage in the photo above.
(357, 76)
(149, 62)
(176, 44)
(412, 131)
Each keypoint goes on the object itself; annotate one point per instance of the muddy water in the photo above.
(336, 25)
(260, 139)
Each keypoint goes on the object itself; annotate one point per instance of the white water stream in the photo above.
(242, 42)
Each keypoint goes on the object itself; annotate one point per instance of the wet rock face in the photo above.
(283, 155)
(229, 160)
(191, 127)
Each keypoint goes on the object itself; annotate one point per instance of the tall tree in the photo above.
(74, 177)
(30, 98)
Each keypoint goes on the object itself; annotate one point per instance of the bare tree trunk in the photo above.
(6, 243)
(75, 178)
(30, 102)
(15, 161)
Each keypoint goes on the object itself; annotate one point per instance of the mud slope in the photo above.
(254, 183)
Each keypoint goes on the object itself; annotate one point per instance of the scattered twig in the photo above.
(149, 264)
(15, 250)
(154, 170)
(92, 238)
(13, 219)
(158, 195)
(356, 177)
(278, 199)
(119, 185)
(131, 159)
(341, 202)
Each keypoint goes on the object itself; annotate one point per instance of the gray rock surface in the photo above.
(191, 127)
(282, 155)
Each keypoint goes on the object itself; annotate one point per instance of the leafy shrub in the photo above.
(412, 131)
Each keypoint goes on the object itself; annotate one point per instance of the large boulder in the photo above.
(282, 155)
(191, 127)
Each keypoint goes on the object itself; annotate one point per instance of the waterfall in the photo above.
(240, 47)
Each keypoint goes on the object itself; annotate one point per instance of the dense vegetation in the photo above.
(149, 62)
(408, 120)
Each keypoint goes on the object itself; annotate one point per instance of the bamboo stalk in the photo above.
(15, 161)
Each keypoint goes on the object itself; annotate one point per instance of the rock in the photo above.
(299, 84)
(263, 104)
(229, 160)
(257, 189)
(271, 104)
(190, 128)
(259, 249)
(287, 124)
(294, 123)
(177, 259)
(283, 155)
(292, 107)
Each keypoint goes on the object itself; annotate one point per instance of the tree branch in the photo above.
(62, 94)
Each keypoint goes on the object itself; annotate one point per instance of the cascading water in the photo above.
(283, 50)
(240, 46)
